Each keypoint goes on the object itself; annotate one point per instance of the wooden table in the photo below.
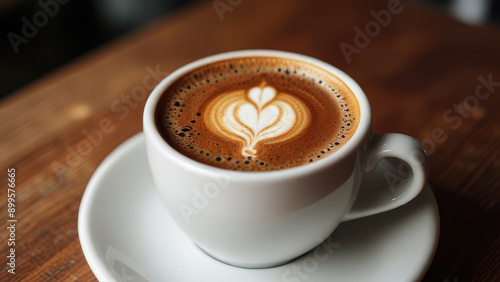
(424, 74)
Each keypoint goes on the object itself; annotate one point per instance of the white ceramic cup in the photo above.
(260, 219)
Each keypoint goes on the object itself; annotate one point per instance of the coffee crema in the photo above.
(257, 113)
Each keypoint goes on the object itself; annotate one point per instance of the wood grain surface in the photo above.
(422, 73)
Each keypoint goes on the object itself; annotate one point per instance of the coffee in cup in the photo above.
(257, 113)
(237, 144)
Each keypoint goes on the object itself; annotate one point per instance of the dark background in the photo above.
(79, 26)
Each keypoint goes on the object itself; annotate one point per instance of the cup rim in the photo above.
(357, 140)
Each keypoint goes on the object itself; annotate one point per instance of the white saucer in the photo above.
(127, 235)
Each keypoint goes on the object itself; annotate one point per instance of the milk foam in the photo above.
(259, 115)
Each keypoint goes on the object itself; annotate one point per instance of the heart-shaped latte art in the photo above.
(260, 114)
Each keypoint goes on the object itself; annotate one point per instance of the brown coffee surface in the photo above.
(257, 113)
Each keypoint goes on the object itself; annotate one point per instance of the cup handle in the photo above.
(398, 190)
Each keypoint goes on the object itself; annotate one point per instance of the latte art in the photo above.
(260, 115)
(257, 113)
